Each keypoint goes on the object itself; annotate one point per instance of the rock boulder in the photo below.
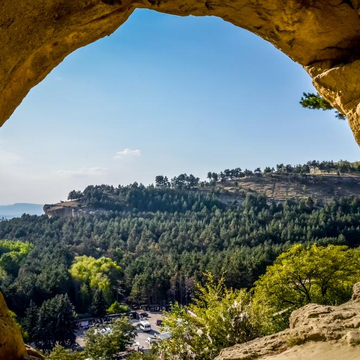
(316, 332)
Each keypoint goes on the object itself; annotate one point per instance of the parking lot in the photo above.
(141, 337)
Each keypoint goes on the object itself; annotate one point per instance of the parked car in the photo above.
(144, 326)
(133, 315)
(144, 314)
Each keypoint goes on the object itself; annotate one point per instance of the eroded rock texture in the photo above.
(316, 332)
(11, 343)
(321, 35)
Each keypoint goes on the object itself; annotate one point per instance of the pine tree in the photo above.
(98, 305)
(31, 319)
(316, 102)
(65, 321)
(56, 323)
(45, 328)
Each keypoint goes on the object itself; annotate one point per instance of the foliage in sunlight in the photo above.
(101, 273)
(103, 346)
(303, 275)
(219, 317)
(11, 255)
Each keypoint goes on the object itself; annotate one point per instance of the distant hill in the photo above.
(16, 210)
(322, 187)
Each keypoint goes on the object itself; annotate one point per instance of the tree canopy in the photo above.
(103, 346)
(218, 317)
(162, 254)
(60, 353)
(307, 274)
(101, 273)
(52, 324)
(157, 243)
(11, 255)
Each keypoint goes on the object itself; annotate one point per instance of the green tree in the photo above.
(60, 353)
(152, 354)
(30, 320)
(117, 308)
(307, 274)
(75, 195)
(56, 323)
(215, 176)
(45, 329)
(316, 102)
(268, 170)
(103, 346)
(218, 318)
(98, 304)
(102, 273)
(162, 181)
(65, 321)
(11, 255)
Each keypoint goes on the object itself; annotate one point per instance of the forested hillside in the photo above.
(322, 181)
(163, 242)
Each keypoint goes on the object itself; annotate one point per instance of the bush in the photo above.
(104, 346)
(60, 353)
(219, 318)
(117, 308)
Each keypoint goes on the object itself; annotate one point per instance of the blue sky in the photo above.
(163, 95)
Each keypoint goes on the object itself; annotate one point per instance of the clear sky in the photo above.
(163, 95)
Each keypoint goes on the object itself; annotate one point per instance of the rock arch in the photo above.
(321, 35)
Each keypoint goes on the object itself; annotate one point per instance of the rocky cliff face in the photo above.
(66, 209)
(12, 346)
(70, 209)
(316, 332)
(11, 343)
(321, 35)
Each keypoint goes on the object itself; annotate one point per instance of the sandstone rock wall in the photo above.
(316, 332)
(11, 342)
(62, 210)
(321, 35)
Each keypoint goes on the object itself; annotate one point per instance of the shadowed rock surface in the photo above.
(11, 343)
(12, 346)
(316, 332)
(321, 35)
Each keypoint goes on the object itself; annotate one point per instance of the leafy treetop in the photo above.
(100, 273)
